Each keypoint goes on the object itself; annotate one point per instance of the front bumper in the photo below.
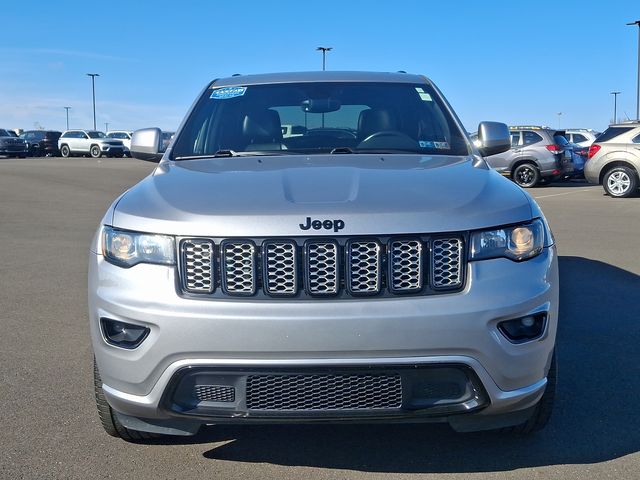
(243, 335)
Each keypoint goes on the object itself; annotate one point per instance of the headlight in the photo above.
(130, 248)
(520, 242)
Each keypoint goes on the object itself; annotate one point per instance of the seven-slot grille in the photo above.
(323, 392)
(314, 268)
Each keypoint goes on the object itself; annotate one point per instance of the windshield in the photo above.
(4, 133)
(96, 134)
(321, 117)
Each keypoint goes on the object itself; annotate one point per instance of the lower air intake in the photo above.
(323, 392)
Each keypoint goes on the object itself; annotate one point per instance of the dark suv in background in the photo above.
(538, 155)
(42, 143)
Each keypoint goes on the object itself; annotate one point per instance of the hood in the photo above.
(279, 196)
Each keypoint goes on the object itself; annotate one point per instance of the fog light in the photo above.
(524, 329)
(121, 334)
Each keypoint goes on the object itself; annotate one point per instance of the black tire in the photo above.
(620, 182)
(542, 413)
(64, 151)
(95, 151)
(526, 175)
(109, 420)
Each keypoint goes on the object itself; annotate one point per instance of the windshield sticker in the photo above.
(436, 145)
(228, 92)
(425, 97)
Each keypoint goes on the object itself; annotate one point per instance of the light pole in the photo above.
(324, 51)
(67, 109)
(93, 89)
(637, 22)
(559, 115)
(106, 127)
(615, 106)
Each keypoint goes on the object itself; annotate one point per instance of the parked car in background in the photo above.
(537, 156)
(11, 145)
(582, 137)
(571, 152)
(42, 143)
(89, 142)
(124, 136)
(614, 160)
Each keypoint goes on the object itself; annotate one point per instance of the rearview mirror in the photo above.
(320, 105)
(146, 144)
(494, 137)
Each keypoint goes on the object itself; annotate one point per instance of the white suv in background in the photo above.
(583, 137)
(124, 136)
(89, 142)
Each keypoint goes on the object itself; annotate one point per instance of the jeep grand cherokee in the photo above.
(370, 268)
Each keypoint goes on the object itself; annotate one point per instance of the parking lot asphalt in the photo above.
(49, 428)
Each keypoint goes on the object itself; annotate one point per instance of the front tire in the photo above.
(95, 151)
(620, 182)
(526, 175)
(109, 420)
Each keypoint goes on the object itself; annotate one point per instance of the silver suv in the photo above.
(537, 156)
(614, 160)
(89, 142)
(333, 276)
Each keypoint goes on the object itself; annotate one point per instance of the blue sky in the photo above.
(516, 62)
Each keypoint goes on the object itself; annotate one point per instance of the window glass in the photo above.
(529, 137)
(94, 134)
(4, 133)
(612, 132)
(318, 117)
(515, 139)
(577, 138)
(636, 139)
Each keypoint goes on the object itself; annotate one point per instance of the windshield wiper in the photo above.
(232, 153)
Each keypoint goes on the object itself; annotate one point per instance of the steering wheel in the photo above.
(388, 139)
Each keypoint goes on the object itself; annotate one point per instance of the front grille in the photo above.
(308, 268)
(323, 392)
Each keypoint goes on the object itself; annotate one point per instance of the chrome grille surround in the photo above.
(406, 266)
(322, 267)
(306, 268)
(238, 267)
(197, 265)
(323, 392)
(446, 262)
(364, 267)
(280, 270)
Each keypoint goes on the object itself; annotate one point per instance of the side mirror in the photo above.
(494, 138)
(146, 144)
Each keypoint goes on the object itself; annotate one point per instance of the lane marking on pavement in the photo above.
(565, 193)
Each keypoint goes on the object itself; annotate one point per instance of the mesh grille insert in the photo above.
(197, 261)
(405, 261)
(281, 269)
(323, 392)
(364, 266)
(215, 393)
(239, 267)
(446, 263)
(322, 268)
